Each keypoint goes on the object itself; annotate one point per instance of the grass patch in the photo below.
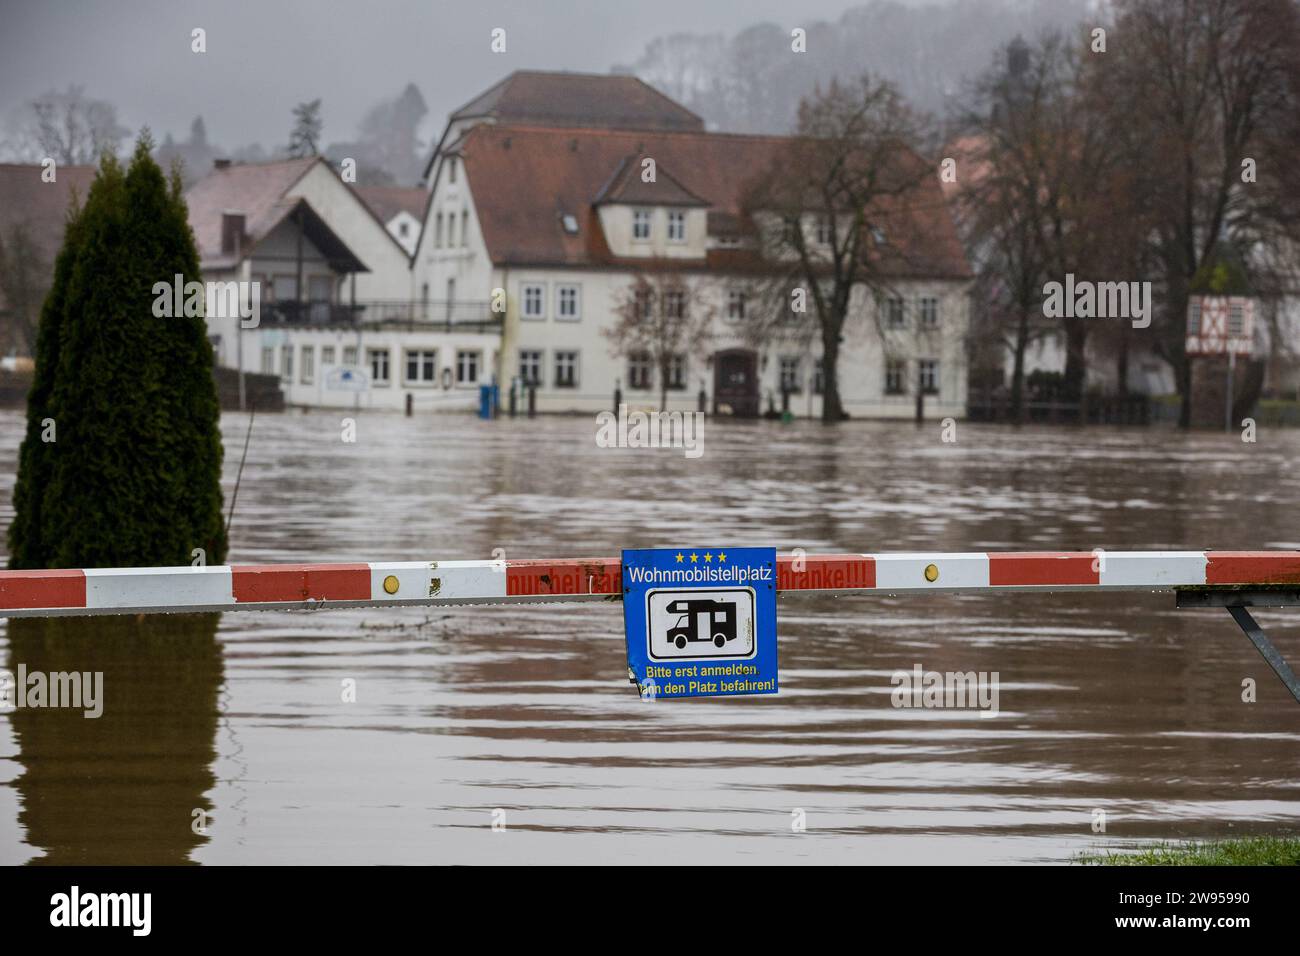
(1254, 851)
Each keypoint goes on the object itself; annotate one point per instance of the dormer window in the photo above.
(641, 224)
(676, 226)
(570, 223)
(824, 231)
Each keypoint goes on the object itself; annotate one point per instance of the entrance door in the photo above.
(735, 383)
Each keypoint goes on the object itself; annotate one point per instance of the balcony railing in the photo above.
(420, 316)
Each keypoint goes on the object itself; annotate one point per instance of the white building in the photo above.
(400, 209)
(535, 194)
(337, 321)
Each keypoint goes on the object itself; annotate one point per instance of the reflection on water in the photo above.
(465, 715)
(121, 787)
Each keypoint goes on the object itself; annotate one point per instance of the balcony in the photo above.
(398, 314)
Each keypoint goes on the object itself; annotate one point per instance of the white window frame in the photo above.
(640, 371)
(677, 217)
(577, 367)
(895, 368)
(372, 355)
(326, 355)
(541, 366)
(560, 290)
(736, 302)
(541, 301)
(927, 311)
(268, 361)
(461, 356)
(420, 353)
(645, 216)
(794, 365)
(307, 373)
(928, 383)
(350, 350)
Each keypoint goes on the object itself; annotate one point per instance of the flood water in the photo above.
(522, 716)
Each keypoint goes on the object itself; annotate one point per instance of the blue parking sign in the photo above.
(700, 622)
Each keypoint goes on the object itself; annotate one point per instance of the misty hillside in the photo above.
(738, 85)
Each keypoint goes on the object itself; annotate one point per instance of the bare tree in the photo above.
(69, 127)
(665, 316)
(826, 207)
(1196, 92)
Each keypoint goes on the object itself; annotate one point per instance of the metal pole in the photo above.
(1227, 400)
(1271, 655)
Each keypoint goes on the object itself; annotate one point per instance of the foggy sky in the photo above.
(264, 56)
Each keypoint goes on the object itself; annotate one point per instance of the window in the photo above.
(677, 373)
(422, 366)
(404, 229)
(644, 304)
(676, 226)
(735, 304)
(530, 366)
(824, 231)
(437, 231)
(1194, 317)
(895, 377)
(929, 312)
(929, 376)
(464, 228)
(268, 361)
(286, 363)
(349, 355)
(894, 313)
(451, 169)
(377, 359)
(819, 377)
(640, 371)
(326, 355)
(566, 369)
(466, 368)
(308, 364)
(534, 301)
(451, 229)
(790, 378)
(641, 224)
(566, 302)
(570, 223)
(1236, 319)
(674, 305)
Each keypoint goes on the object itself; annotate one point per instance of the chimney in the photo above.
(221, 164)
(232, 233)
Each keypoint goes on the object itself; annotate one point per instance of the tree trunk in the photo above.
(832, 408)
(1018, 369)
(1076, 362)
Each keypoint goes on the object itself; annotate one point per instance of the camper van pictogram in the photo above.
(702, 620)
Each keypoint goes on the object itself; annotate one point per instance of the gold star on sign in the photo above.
(722, 557)
(679, 557)
(694, 557)
(708, 557)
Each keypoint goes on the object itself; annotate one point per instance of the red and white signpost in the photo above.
(1236, 580)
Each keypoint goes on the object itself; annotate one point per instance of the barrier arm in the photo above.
(1236, 580)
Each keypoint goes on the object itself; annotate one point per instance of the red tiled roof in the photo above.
(606, 101)
(40, 207)
(254, 189)
(387, 201)
(525, 178)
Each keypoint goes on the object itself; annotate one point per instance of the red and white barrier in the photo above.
(262, 587)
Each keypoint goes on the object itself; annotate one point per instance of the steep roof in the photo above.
(628, 185)
(255, 189)
(387, 201)
(525, 178)
(608, 101)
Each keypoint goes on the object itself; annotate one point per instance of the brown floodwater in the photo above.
(522, 716)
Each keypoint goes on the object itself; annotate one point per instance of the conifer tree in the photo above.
(133, 478)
